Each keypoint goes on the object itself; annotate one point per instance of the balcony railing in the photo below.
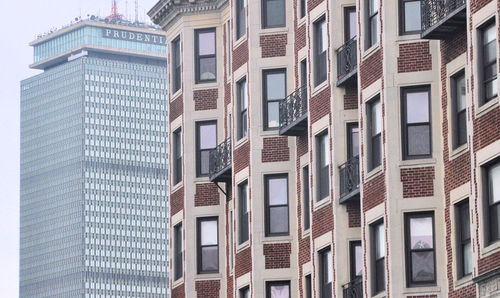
(349, 179)
(293, 113)
(442, 17)
(347, 62)
(354, 289)
(220, 162)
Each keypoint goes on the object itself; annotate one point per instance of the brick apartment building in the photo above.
(334, 148)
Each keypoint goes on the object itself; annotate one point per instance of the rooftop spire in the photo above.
(114, 11)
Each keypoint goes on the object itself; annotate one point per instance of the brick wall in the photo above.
(300, 38)
(354, 214)
(241, 157)
(418, 182)
(486, 130)
(351, 98)
(240, 55)
(277, 255)
(243, 262)
(322, 221)
(177, 201)
(370, 69)
(207, 288)
(205, 99)
(179, 292)
(374, 192)
(275, 149)
(273, 45)
(176, 107)
(414, 56)
(319, 105)
(476, 5)
(207, 194)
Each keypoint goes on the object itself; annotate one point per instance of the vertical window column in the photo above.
(241, 89)
(206, 140)
(306, 201)
(420, 251)
(459, 114)
(378, 257)
(176, 64)
(492, 202)
(416, 123)
(320, 49)
(374, 131)
(208, 245)
(276, 202)
(178, 268)
(325, 273)
(274, 92)
(463, 240)
(273, 13)
(241, 18)
(243, 212)
(323, 166)
(371, 23)
(488, 36)
(177, 157)
(205, 55)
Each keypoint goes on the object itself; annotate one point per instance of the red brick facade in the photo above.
(277, 255)
(414, 56)
(418, 182)
(273, 45)
(205, 99)
(208, 288)
(177, 201)
(207, 194)
(275, 149)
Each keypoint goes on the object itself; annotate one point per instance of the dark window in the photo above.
(276, 202)
(374, 131)
(274, 92)
(325, 273)
(352, 140)
(178, 251)
(409, 16)
(356, 259)
(303, 72)
(176, 64)
(420, 251)
(206, 64)
(229, 46)
(416, 123)
(488, 57)
(372, 7)
(378, 257)
(305, 191)
(241, 89)
(243, 211)
(308, 286)
(350, 23)
(206, 140)
(492, 202)
(464, 248)
(322, 165)
(320, 47)
(208, 245)
(245, 292)
(278, 289)
(302, 8)
(273, 13)
(459, 114)
(177, 157)
(241, 18)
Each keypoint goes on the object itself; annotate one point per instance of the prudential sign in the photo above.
(134, 36)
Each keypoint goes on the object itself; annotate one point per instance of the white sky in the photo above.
(20, 22)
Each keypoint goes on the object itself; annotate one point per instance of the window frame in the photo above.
(347, 24)
(266, 101)
(306, 198)
(243, 217)
(325, 288)
(352, 259)
(460, 242)
(369, 39)
(405, 125)
(487, 206)
(177, 156)
(302, 9)
(267, 207)
(199, 247)
(242, 112)
(271, 283)
(350, 126)
(410, 283)
(402, 18)
(481, 67)
(241, 18)
(176, 69)
(198, 57)
(243, 291)
(318, 57)
(319, 170)
(308, 286)
(264, 15)
(303, 72)
(370, 138)
(178, 257)
(198, 150)
(373, 243)
(455, 114)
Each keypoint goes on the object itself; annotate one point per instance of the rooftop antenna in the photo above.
(114, 11)
(136, 11)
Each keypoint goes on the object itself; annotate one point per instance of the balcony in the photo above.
(293, 113)
(220, 162)
(349, 180)
(347, 63)
(442, 17)
(354, 289)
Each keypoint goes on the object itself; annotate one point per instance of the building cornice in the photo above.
(165, 11)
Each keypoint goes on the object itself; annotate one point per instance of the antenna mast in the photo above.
(136, 11)
(114, 11)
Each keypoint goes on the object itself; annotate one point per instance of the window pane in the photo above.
(417, 107)
(376, 151)
(353, 24)
(210, 258)
(374, 30)
(467, 258)
(464, 222)
(491, 89)
(358, 260)
(494, 183)
(209, 232)
(421, 232)
(207, 68)
(460, 93)
(380, 274)
(354, 139)
(412, 16)
(273, 114)
(323, 41)
(204, 162)
(379, 241)
(376, 118)
(494, 222)
(419, 140)
(208, 135)
(243, 95)
(278, 219)
(324, 153)
(489, 53)
(275, 86)
(275, 13)
(206, 43)
(489, 34)
(329, 269)
(373, 6)
(422, 266)
(280, 291)
(278, 192)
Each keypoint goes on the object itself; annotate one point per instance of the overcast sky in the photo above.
(20, 22)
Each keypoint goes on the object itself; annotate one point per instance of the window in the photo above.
(378, 257)
(371, 23)
(492, 192)
(245, 292)
(177, 154)
(274, 92)
(178, 251)
(241, 89)
(241, 18)
(356, 259)
(416, 123)
(463, 245)
(273, 13)
(176, 64)
(323, 165)
(206, 140)
(306, 203)
(320, 47)
(303, 73)
(229, 46)
(409, 18)
(231, 246)
(374, 131)
(243, 211)
(308, 286)
(420, 252)
(352, 140)
(278, 289)
(325, 273)
(206, 64)
(459, 114)
(208, 245)
(488, 58)
(350, 23)
(276, 201)
(302, 9)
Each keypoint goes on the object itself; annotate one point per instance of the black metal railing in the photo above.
(349, 176)
(353, 289)
(433, 11)
(220, 158)
(347, 58)
(293, 107)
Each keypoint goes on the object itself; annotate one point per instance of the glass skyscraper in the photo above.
(94, 153)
